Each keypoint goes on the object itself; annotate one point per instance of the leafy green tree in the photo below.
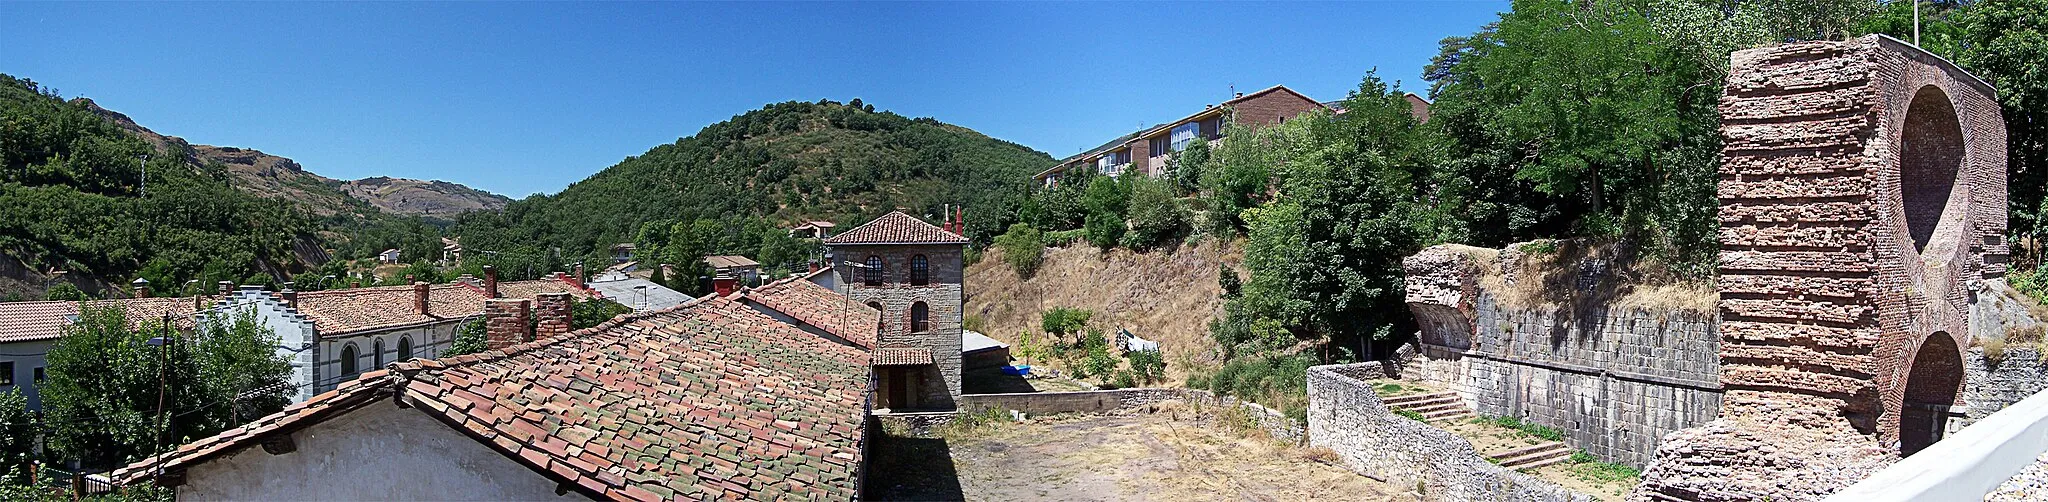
(1105, 230)
(469, 339)
(1238, 174)
(102, 393)
(17, 435)
(2007, 44)
(1147, 365)
(238, 365)
(594, 311)
(1023, 248)
(1062, 321)
(1156, 215)
(65, 291)
(1187, 167)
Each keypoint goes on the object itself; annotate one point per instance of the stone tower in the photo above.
(911, 272)
(1863, 209)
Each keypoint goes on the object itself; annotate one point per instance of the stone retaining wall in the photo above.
(1989, 388)
(1106, 401)
(1348, 418)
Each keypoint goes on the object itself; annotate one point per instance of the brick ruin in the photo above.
(1863, 209)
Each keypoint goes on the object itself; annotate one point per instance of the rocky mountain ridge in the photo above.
(282, 178)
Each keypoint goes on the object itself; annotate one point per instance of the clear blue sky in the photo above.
(523, 98)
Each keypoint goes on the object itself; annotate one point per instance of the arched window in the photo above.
(875, 271)
(348, 360)
(920, 271)
(377, 353)
(920, 318)
(881, 323)
(404, 348)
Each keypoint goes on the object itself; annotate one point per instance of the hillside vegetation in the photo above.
(735, 182)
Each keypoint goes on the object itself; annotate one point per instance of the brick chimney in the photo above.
(419, 297)
(141, 287)
(291, 298)
(490, 281)
(553, 311)
(226, 287)
(579, 272)
(725, 285)
(505, 322)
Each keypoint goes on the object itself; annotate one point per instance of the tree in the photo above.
(1023, 248)
(1187, 167)
(238, 365)
(469, 339)
(1062, 321)
(17, 435)
(1156, 215)
(594, 311)
(65, 291)
(2007, 43)
(1105, 230)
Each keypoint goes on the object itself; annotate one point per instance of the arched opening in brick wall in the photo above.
(1930, 157)
(1932, 383)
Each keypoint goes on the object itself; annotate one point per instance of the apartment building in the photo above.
(1147, 150)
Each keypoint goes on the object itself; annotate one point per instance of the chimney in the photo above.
(227, 288)
(725, 285)
(141, 287)
(814, 266)
(419, 298)
(490, 281)
(579, 272)
(291, 298)
(505, 322)
(1240, 95)
(553, 311)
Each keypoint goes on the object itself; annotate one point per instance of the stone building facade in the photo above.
(910, 271)
(1863, 210)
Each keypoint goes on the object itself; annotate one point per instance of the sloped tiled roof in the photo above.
(346, 311)
(622, 290)
(806, 301)
(896, 228)
(903, 356)
(730, 261)
(30, 321)
(709, 400)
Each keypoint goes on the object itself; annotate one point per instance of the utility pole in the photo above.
(143, 186)
(1916, 23)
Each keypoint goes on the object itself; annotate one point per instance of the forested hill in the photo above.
(783, 163)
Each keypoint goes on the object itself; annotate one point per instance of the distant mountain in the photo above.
(431, 198)
(784, 163)
(282, 178)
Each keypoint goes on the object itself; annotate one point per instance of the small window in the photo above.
(404, 348)
(377, 353)
(348, 360)
(39, 374)
(920, 318)
(875, 271)
(1161, 145)
(920, 271)
(6, 372)
(883, 322)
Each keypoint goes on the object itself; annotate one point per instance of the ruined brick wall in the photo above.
(1616, 380)
(942, 296)
(552, 314)
(1862, 209)
(1853, 230)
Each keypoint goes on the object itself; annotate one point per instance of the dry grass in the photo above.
(1549, 272)
(1168, 297)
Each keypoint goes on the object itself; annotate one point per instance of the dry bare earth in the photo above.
(1163, 457)
(1163, 296)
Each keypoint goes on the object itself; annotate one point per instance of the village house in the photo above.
(739, 267)
(389, 256)
(707, 400)
(799, 302)
(909, 271)
(812, 230)
(640, 294)
(623, 252)
(29, 329)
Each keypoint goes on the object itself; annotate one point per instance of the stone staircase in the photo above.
(1531, 457)
(1434, 407)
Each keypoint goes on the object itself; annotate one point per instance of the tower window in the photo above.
(875, 271)
(920, 318)
(920, 271)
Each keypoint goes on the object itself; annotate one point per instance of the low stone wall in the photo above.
(1106, 401)
(1345, 416)
(1988, 388)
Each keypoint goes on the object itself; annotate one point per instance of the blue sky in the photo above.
(528, 97)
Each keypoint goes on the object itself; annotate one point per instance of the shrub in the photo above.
(1411, 414)
(1105, 230)
(1023, 248)
(1096, 358)
(1147, 366)
(1064, 238)
(1125, 379)
(1156, 216)
(1063, 321)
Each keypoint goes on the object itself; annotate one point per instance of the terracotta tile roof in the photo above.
(30, 321)
(907, 356)
(346, 311)
(730, 262)
(708, 400)
(152, 310)
(896, 228)
(806, 301)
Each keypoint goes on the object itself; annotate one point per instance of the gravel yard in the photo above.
(1164, 456)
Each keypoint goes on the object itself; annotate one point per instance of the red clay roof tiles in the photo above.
(896, 228)
(903, 356)
(346, 311)
(708, 400)
(814, 305)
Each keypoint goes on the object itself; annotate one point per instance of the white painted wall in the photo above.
(26, 357)
(1966, 465)
(427, 343)
(380, 452)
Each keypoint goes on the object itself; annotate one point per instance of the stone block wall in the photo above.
(1616, 380)
(940, 382)
(1991, 387)
(1345, 416)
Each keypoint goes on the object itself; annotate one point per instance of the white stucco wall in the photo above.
(26, 356)
(380, 452)
(295, 333)
(427, 343)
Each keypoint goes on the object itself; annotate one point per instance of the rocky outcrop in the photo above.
(422, 197)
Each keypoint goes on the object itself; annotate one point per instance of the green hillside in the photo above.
(740, 180)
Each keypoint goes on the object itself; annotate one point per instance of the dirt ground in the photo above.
(1167, 456)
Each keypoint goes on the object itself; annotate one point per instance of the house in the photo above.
(1148, 150)
(29, 329)
(389, 256)
(910, 272)
(641, 294)
(978, 351)
(332, 336)
(706, 400)
(451, 251)
(739, 267)
(623, 252)
(812, 230)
